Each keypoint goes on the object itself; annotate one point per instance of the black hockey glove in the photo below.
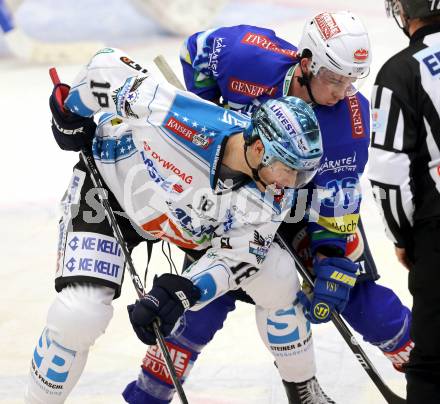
(170, 296)
(72, 132)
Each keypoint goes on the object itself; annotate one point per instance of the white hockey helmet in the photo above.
(337, 42)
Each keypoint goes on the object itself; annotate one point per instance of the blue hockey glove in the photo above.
(72, 132)
(334, 279)
(170, 296)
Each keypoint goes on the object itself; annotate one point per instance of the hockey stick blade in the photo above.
(98, 183)
(349, 338)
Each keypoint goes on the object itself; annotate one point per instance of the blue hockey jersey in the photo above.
(245, 65)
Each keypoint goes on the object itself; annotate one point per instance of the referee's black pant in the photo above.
(423, 370)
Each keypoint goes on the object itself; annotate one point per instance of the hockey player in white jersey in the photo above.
(183, 170)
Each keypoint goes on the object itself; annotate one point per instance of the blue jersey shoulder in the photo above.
(244, 62)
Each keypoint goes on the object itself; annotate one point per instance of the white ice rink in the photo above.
(235, 368)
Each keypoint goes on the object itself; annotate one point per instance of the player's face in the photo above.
(278, 175)
(328, 88)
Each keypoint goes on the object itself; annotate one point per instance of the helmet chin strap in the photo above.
(304, 80)
(404, 26)
(255, 171)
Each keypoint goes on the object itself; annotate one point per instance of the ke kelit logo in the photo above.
(327, 26)
(361, 55)
(321, 311)
(356, 117)
(265, 43)
(250, 89)
(154, 362)
(73, 244)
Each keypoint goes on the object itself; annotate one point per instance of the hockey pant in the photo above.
(282, 327)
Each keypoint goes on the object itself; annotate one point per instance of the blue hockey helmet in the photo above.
(289, 131)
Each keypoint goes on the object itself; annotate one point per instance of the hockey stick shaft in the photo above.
(98, 182)
(168, 72)
(339, 323)
(345, 332)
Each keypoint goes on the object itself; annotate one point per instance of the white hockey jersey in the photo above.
(159, 151)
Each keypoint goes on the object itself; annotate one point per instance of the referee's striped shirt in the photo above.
(404, 162)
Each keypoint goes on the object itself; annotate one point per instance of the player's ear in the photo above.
(305, 62)
(258, 147)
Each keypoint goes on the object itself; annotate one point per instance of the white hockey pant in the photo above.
(78, 316)
(282, 325)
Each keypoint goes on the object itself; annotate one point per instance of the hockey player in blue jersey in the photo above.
(239, 67)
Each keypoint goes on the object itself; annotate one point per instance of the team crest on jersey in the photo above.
(126, 96)
(260, 246)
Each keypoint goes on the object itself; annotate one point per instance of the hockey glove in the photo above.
(334, 279)
(170, 296)
(72, 132)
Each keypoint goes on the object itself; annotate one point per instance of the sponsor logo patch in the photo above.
(343, 164)
(168, 165)
(264, 42)
(360, 55)
(286, 335)
(51, 363)
(379, 121)
(327, 26)
(127, 61)
(249, 88)
(356, 118)
(154, 362)
(93, 254)
(321, 311)
(186, 132)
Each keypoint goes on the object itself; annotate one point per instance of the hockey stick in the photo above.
(167, 72)
(339, 323)
(345, 332)
(98, 182)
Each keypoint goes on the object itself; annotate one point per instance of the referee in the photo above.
(405, 176)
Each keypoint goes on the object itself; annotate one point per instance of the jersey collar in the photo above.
(288, 79)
